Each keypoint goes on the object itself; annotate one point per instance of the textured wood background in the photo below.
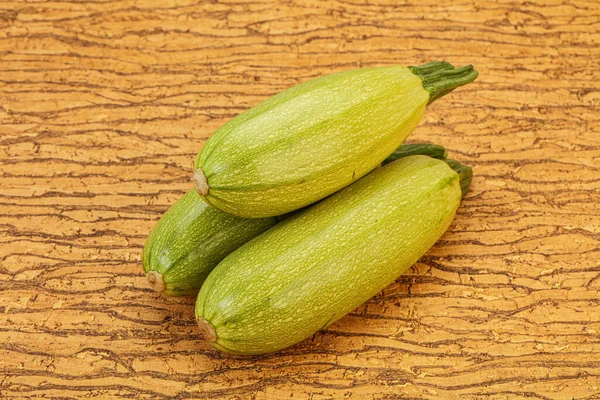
(104, 104)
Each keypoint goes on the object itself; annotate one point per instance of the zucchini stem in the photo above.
(200, 182)
(440, 77)
(156, 281)
(424, 149)
(465, 174)
(431, 67)
(207, 331)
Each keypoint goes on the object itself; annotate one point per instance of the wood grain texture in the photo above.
(103, 106)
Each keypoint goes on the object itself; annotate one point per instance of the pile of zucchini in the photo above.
(307, 205)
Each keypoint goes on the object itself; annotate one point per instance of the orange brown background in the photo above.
(103, 106)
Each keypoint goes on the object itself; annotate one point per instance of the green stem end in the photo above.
(424, 149)
(465, 174)
(440, 77)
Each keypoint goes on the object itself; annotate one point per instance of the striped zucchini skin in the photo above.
(309, 141)
(190, 239)
(315, 267)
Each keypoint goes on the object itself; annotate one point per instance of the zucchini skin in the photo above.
(320, 264)
(190, 239)
(309, 141)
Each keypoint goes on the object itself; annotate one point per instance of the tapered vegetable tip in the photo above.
(465, 174)
(156, 281)
(440, 77)
(200, 182)
(207, 331)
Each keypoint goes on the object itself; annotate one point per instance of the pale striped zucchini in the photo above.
(316, 266)
(315, 138)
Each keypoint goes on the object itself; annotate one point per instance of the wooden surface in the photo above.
(104, 105)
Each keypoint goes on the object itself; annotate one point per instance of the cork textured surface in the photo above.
(103, 106)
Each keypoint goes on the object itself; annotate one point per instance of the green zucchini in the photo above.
(192, 237)
(315, 138)
(315, 267)
(189, 241)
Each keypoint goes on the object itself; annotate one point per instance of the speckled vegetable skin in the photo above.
(313, 268)
(318, 137)
(189, 241)
(192, 237)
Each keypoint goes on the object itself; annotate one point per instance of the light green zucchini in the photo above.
(320, 264)
(192, 237)
(315, 138)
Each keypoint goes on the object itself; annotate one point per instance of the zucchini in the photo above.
(189, 241)
(315, 138)
(320, 264)
(192, 237)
